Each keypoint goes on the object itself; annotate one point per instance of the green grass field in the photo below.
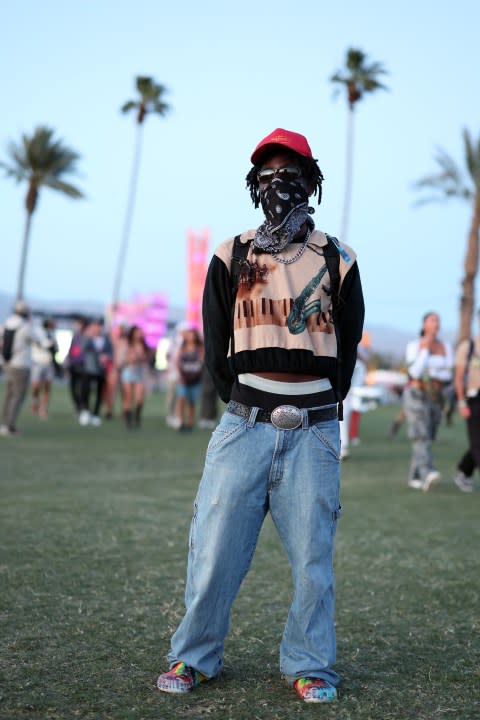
(93, 540)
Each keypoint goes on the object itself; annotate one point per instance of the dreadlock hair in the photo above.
(309, 167)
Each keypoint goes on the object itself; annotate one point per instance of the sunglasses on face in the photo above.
(284, 173)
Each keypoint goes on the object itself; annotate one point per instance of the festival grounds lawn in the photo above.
(93, 536)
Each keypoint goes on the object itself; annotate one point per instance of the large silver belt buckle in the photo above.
(286, 417)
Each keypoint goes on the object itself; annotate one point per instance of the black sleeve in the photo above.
(217, 312)
(351, 314)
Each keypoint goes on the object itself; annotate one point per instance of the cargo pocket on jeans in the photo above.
(328, 433)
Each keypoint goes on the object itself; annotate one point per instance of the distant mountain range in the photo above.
(386, 341)
(60, 307)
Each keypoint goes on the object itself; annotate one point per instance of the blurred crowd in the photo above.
(110, 373)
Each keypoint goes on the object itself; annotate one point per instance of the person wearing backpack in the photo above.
(282, 317)
(18, 335)
(467, 388)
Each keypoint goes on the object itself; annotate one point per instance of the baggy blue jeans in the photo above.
(252, 468)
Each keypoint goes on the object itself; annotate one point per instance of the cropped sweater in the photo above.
(282, 320)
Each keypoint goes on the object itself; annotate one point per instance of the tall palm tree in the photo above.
(41, 161)
(449, 182)
(150, 101)
(358, 78)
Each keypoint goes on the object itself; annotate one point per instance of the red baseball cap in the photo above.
(291, 140)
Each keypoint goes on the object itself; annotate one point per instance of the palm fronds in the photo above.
(150, 100)
(450, 180)
(359, 77)
(39, 158)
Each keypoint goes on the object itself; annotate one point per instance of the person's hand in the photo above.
(428, 342)
(464, 411)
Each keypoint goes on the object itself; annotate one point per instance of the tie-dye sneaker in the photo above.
(315, 690)
(180, 679)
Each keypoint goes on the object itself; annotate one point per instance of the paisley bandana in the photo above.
(285, 206)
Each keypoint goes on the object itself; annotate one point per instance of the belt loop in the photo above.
(304, 418)
(253, 417)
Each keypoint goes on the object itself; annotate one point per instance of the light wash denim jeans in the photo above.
(250, 469)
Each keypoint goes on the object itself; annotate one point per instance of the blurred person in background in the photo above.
(134, 375)
(350, 425)
(429, 364)
(74, 362)
(358, 380)
(43, 369)
(17, 335)
(118, 338)
(467, 387)
(189, 366)
(97, 354)
(172, 375)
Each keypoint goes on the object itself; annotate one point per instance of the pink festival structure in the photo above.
(197, 266)
(150, 311)
(147, 311)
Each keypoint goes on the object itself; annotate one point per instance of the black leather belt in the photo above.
(284, 417)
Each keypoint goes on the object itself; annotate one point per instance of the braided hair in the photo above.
(309, 167)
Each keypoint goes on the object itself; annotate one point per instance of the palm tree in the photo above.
(41, 161)
(150, 101)
(358, 78)
(449, 182)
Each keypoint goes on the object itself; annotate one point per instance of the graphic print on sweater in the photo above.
(285, 305)
(254, 309)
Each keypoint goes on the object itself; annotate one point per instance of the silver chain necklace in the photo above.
(297, 255)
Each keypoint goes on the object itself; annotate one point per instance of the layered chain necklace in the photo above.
(298, 254)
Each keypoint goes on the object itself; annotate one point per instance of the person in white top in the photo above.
(43, 369)
(18, 335)
(172, 374)
(429, 364)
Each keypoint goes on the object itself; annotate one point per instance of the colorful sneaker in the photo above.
(180, 679)
(315, 690)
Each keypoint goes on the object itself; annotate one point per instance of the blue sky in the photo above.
(235, 71)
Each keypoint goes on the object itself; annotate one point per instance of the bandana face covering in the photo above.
(285, 206)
